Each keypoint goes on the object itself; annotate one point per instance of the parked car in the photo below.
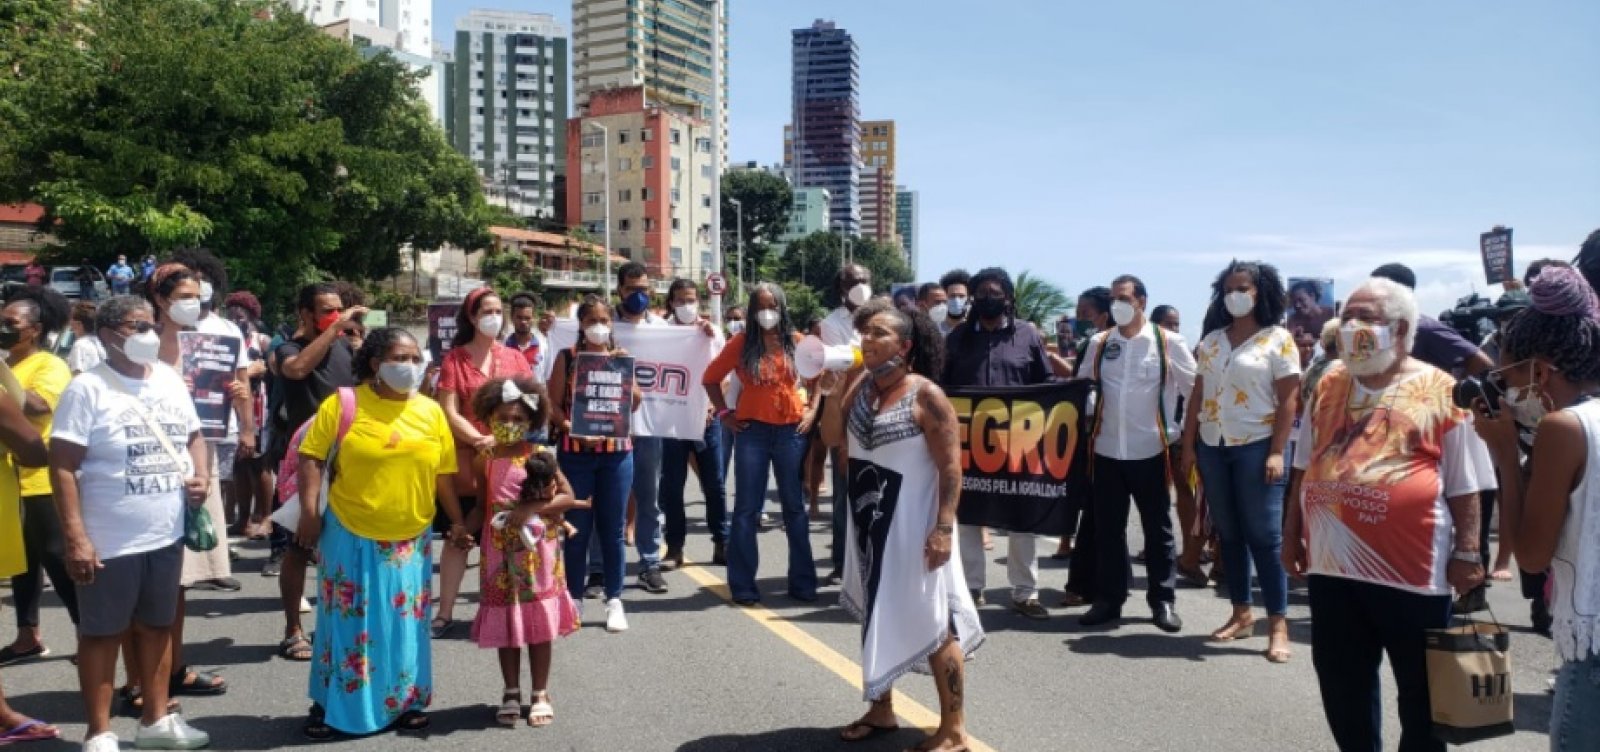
(64, 279)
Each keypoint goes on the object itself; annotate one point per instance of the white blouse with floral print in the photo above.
(1240, 403)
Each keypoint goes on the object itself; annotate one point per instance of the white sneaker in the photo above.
(616, 620)
(106, 742)
(305, 606)
(171, 732)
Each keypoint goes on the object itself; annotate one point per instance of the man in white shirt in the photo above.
(1142, 370)
(853, 287)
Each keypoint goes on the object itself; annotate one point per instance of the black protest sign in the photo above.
(602, 396)
(1495, 245)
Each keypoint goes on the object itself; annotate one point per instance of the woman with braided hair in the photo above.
(1550, 373)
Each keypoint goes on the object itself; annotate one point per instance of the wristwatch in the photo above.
(1470, 557)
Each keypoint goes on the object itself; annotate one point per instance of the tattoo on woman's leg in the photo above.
(952, 682)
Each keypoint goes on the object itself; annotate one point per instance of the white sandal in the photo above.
(541, 709)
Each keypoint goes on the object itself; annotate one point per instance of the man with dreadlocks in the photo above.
(1550, 369)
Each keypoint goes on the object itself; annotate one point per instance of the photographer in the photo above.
(1438, 345)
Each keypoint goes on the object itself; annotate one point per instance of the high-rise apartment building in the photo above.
(906, 218)
(827, 118)
(665, 46)
(410, 20)
(509, 105)
(808, 213)
(877, 181)
(370, 41)
(661, 171)
(877, 144)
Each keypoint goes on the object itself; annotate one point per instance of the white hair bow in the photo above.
(510, 393)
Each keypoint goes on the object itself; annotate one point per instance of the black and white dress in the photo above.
(907, 612)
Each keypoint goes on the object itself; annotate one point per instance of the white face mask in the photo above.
(206, 292)
(143, 349)
(1239, 303)
(939, 312)
(489, 326)
(688, 313)
(767, 319)
(597, 334)
(860, 294)
(186, 312)
(957, 306)
(735, 327)
(1123, 312)
(1366, 349)
(1526, 403)
(401, 377)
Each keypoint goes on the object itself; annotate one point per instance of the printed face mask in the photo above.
(508, 433)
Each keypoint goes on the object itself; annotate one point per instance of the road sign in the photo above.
(716, 284)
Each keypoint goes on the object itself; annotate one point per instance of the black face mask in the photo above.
(9, 337)
(989, 308)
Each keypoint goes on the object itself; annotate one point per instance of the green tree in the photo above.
(804, 303)
(815, 259)
(144, 125)
(509, 272)
(764, 199)
(1039, 300)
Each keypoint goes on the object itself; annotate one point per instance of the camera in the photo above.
(1474, 388)
(1473, 317)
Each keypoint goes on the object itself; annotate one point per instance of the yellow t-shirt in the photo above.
(12, 559)
(388, 464)
(46, 375)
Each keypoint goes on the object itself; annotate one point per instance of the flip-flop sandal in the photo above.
(133, 703)
(9, 655)
(510, 712)
(296, 648)
(440, 628)
(413, 721)
(873, 731)
(541, 709)
(317, 728)
(30, 730)
(204, 684)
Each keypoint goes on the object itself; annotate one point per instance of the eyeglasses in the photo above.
(139, 327)
(1497, 377)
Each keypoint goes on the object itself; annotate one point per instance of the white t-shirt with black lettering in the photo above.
(129, 489)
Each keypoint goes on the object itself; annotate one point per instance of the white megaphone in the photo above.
(811, 357)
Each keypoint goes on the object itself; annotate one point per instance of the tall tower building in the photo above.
(827, 118)
(665, 46)
(509, 105)
(877, 181)
(410, 20)
(906, 218)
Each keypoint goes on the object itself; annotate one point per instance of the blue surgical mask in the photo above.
(401, 377)
(957, 306)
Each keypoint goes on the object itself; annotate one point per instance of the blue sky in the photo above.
(1081, 140)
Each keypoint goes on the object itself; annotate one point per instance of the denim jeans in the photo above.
(604, 479)
(646, 488)
(1247, 513)
(1572, 720)
(1353, 624)
(707, 454)
(780, 450)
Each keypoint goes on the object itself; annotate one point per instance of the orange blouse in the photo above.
(772, 396)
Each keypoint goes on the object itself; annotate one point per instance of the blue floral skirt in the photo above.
(373, 656)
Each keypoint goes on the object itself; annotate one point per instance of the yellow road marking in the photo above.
(912, 711)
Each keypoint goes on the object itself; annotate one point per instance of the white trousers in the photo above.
(1022, 561)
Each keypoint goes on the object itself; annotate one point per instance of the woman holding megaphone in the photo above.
(769, 426)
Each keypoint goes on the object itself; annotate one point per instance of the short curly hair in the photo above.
(377, 344)
(491, 396)
(542, 470)
(926, 357)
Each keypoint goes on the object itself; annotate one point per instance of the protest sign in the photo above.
(1024, 455)
(668, 364)
(375, 319)
(602, 396)
(1495, 245)
(208, 362)
(441, 328)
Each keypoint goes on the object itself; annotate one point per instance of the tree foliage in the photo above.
(145, 125)
(765, 200)
(1039, 300)
(510, 272)
(815, 259)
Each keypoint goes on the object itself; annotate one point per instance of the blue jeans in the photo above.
(1572, 721)
(675, 472)
(780, 450)
(1247, 513)
(604, 479)
(647, 510)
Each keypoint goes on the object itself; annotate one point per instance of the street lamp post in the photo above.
(738, 240)
(605, 157)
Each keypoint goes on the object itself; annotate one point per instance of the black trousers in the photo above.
(1145, 482)
(46, 551)
(1353, 625)
(1081, 576)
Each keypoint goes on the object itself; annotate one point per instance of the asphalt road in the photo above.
(695, 674)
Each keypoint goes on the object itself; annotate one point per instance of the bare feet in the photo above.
(988, 542)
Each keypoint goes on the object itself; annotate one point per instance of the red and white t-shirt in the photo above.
(1379, 466)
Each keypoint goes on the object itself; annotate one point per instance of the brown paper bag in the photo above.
(1469, 682)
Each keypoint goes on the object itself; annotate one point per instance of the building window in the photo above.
(705, 201)
(590, 139)
(676, 163)
(626, 194)
(705, 171)
(644, 194)
(593, 198)
(674, 196)
(677, 256)
(594, 228)
(647, 163)
(676, 225)
(624, 164)
(622, 137)
(649, 225)
(624, 225)
(677, 136)
(647, 135)
(705, 259)
(702, 145)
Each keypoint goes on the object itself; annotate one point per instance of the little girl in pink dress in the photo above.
(524, 599)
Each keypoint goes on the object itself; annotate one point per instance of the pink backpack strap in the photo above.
(347, 410)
